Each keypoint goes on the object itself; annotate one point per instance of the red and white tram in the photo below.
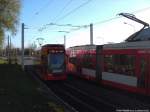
(52, 62)
(123, 65)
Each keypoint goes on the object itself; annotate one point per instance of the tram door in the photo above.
(144, 73)
(148, 75)
(99, 65)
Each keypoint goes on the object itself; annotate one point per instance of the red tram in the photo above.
(52, 62)
(123, 65)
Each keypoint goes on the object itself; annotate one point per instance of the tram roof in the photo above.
(52, 45)
(84, 47)
(129, 45)
(143, 35)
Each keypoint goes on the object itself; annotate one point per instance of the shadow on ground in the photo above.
(19, 92)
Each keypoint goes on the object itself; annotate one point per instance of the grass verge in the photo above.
(19, 92)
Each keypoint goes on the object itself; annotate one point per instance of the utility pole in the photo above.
(22, 43)
(8, 49)
(91, 34)
(65, 41)
(64, 37)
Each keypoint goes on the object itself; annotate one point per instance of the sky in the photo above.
(52, 19)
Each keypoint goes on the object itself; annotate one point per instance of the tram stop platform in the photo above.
(19, 92)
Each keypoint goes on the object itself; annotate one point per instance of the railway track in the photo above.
(47, 91)
(121, 101)
(87, 97)
(142, 98)
(80, 100)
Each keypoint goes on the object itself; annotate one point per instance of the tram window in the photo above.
(143, 65)
(128, 64)
(143, 72)
(72, 60)
(88, 61)
(122, 64)
(108, 63)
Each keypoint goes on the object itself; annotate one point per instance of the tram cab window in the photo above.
(119, 63)
(56, 62)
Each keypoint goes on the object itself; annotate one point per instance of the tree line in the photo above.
(9, 17)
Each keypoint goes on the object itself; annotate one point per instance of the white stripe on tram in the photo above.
(120, 78)
(89, 72)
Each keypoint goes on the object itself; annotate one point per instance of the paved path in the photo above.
(27, 60)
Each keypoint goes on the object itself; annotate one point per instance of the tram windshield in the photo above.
(56, 62)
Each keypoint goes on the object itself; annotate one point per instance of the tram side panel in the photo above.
(126, 69)
(83, 61)
(87, 64)
(72, 62)
(119, 69)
